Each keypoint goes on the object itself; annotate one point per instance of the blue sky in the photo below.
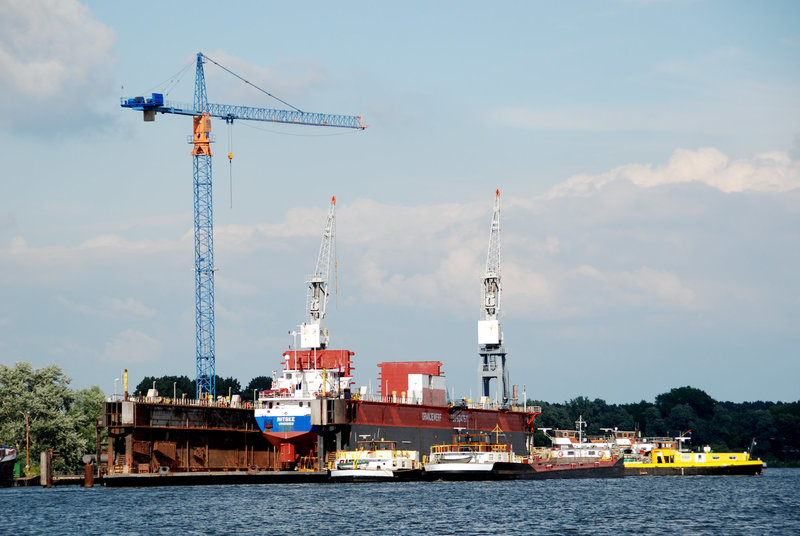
(648, 154)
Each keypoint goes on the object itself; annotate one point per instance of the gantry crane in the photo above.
(202, 111)
(312, 335)
(490, 335)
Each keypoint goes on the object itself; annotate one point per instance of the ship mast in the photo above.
(312, 335)
(490, 336)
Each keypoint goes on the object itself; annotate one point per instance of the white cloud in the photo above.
(131, 346)
(767, 172)
(55, 60)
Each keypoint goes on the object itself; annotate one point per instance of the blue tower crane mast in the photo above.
(202, 111)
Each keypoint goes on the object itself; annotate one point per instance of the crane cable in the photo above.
(252, 84)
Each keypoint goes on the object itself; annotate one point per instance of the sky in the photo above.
(647, 153)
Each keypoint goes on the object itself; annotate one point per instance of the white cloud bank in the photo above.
(767, 172)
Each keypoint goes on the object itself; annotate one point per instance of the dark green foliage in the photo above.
(259, 383)
(699, 401)
(166, 386)
(227, 386)
(184, 385)
(60, 419)
(775, 427)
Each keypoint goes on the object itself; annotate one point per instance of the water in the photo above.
(768, 504)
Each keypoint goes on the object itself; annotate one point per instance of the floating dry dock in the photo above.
(161, 437)
(163, 442)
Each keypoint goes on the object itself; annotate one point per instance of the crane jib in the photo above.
(229, 112)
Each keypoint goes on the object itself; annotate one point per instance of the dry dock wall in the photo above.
(162, 436)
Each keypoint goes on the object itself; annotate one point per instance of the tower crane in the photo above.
(311, 333)
(201, 112)
(490, 335)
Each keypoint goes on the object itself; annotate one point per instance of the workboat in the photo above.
(375, 460)
(8, 457)
(668, 458)
(573, 446)
(473, 457)
(470, 456)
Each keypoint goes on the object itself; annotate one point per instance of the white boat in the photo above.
(375, 460)
(468, 453)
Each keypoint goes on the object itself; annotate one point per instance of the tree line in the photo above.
(183, 386)
(772, 428)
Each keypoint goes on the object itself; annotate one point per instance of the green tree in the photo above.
(259, 383)
(45, 396)
(86, 410)
(786, 419)
(227, 385)
(652, 423)
(683, 418)
(166, 385)
(699, 401)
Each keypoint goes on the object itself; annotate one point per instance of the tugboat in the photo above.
(668, 458)
(375, 460)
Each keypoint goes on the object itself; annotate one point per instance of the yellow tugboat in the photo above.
(667, 459)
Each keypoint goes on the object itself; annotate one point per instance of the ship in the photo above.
(375, 461)
(8, 457)
(667, 457)
(473, 457)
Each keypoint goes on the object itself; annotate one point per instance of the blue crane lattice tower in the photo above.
(203, 240)
(202, 111)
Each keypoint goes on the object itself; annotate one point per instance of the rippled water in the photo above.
(768, 504)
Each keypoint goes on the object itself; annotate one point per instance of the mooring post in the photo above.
(88, 475)
(46, 466)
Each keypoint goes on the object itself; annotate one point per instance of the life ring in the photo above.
(560, 453)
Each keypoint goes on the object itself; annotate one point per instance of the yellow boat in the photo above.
(667, 459)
